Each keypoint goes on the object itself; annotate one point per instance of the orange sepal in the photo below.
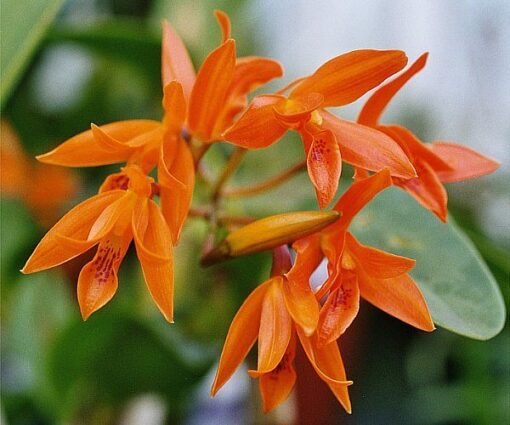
(358, 195)
(301, 303)
(154, 250)
(210, 90)
(275, 328)
(87, 150)
(276, 386)
(375, 105)
(175, 61)
(241, 336)
(376, 263)
(399, 297)
(98, 282)
(224, 23)
(466, 163)
(69, 237)
(174, 105)
(368, 148)
(324, 164)
(428, 190)
(327, 362)
(251, 72)
(347, 77)
(176, 185)
(414, 148)
(339, 310)
(258, 127)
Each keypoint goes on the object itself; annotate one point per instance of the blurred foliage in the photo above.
(58, 369)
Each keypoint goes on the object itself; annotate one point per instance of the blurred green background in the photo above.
(78, 61)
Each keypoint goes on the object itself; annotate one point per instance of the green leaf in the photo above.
(23, 23)
(461, 293)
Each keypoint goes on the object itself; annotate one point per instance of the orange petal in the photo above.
(414, 148)
(74, 228)
(241, 336)
(347, 77)
(249, 73)
(15, 167)
(154, 249)
(428, 190)
(327, 362)
(210, 91)
(332, 245)
(176, 186)
(324, 165)
(339, 310)
(375, 105)
(175, 61)
(97, 282)
(367, 148)
(224, 23)
(258, 127)
(174, 105)
(308, 258)
(86, 150)
(399, 297)
(376, 263)
(359, 194)
(301, 303)
(466, 163)
(276, 386)
(275, 328)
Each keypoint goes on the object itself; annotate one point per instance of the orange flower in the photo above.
(274, 313)
(328, 139)
(356, 270)
(21, 179)
(200, 106)
(436, 163)
(110, 221)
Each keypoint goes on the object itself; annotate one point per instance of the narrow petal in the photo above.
(376, 263)
(174, 104)
(414, 148)
(308, 258)
(97, 282)
(324, 165)
(85, 150)
(332, 245)
(367, 148)
(224, 23)
(241, 336)
(339, 310)
(154, 249)
(327, 362)
(359, 194)
(275, 328)
(399, 297)
(375, 105)
(428, 190)
(347, 77)
(276, 386)
(301, 303)
(69, 237)
(258, 127)
(175, 61)
(176, 186)
(466, 163)
(209, 93)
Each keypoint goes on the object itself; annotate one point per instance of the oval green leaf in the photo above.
(461, 293)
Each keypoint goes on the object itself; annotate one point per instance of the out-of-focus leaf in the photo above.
(460, 291)
(113, 357)
(23, 24)
(123, 40)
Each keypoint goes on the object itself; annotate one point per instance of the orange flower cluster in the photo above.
(212, 106)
